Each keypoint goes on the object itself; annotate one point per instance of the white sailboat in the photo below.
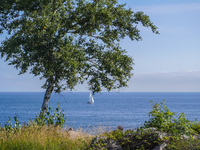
(91, 99)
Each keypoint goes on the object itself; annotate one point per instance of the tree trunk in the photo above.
(47, 96)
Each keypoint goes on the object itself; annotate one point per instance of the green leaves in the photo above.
(10, 127)
(51, 118)
(170, 122)
(68, 42)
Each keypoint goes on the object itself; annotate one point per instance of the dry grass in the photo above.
(51, 138)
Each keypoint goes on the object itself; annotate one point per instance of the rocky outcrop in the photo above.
(102, 143)
(149, 138)
(160, 147)
(128, 141)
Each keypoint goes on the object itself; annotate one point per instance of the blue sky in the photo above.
(169, 62)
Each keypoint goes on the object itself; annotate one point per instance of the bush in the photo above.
(51, 118)
(10, 127)
(48, 118)
(169, 122)
(196, 126)
(189, 144)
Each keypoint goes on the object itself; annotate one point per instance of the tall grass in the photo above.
(49, 138)
(45, 132)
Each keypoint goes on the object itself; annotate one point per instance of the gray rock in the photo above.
(196, 137)
(150, 129)
(155, 131)
(101, 143)
(185, 137)
(159, 135)
(160, 147)
(112, 145)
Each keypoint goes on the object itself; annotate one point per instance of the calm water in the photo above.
(129, 110)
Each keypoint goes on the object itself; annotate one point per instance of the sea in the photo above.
(110, 109)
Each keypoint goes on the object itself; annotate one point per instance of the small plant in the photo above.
(116, 134)
(196, 126)
(51, 118)
(160, 117)
(166, 121)
(139, 139)
(188, 144)
(10, 127)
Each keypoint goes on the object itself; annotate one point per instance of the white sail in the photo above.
(91, 99)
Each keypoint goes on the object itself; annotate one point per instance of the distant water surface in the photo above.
(129, 110)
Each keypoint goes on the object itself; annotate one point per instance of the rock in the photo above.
(150, 129)
(157, 135)
(161, 135)
(101, 143)
(149, 138)
(154, 131)
(185, 137)
(196, 137)
(160, 147)
(112, 145)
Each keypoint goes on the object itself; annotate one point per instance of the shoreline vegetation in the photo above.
(164, 130)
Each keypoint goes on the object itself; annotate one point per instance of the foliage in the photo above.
(140, 140)
(51, 118)
(67, 42)
(10, 127)
(116, 134)
(131, 139)
(169, 122)
(189, 144)
(195, 125)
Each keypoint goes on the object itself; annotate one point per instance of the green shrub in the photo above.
(133, 139)
(10, 127)
(169, 122)
(116, 134)
(140, 139)
(196, 126)
(189, 144)
(48, 118)
(51, 118)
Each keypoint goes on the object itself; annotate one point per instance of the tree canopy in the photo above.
(67, 42)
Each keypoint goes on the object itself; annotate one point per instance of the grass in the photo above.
(41, 138)
(45, 132)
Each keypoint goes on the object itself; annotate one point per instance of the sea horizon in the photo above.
(110, 109)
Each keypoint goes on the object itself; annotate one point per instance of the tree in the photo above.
(67, 42)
